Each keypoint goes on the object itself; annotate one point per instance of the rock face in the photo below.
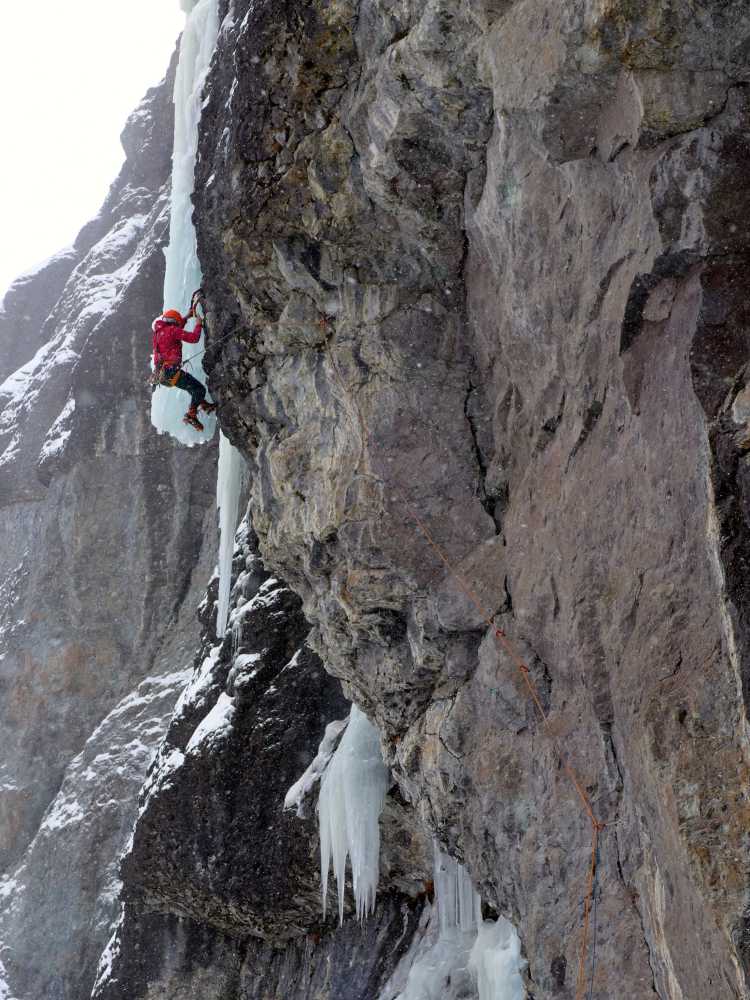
(221, 887)
(485, 267)
(108, 538)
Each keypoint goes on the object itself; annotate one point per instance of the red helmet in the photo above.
(173, 316)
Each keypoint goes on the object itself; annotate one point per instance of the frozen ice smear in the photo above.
(183, 271)
(352, 793)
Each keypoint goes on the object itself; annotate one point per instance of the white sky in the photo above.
(70, 73)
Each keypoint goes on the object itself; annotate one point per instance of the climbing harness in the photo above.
(159, 376)
(502, 639)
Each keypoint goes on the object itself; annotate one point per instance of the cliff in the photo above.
(484, 262)
(477, 324)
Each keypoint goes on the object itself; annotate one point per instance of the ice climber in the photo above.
(169, 333)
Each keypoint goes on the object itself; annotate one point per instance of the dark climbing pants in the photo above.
(189, 384)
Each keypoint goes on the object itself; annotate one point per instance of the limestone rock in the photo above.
(522, 230)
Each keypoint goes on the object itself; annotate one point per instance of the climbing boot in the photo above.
(207, 407)
(191, 417)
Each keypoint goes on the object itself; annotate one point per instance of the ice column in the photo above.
(228, 487)
(352, 793)
(183, 272)
(458, 902)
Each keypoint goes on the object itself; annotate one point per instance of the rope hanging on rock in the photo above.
(500, 636)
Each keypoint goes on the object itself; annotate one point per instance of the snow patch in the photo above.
(167, 762)
(215, 726)
(199, 683)
(58, 433)
(64, 812)
(5, 993)
(107, 960)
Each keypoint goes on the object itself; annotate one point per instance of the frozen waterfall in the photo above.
(183, 272)
(352, 793)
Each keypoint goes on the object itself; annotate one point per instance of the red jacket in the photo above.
(168, 339)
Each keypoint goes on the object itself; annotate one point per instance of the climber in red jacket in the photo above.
(169, 333)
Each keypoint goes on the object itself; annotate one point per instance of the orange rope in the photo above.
(596, 825)
(581, 983)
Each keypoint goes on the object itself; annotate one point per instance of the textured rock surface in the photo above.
(102, 564)
(174, 958)
(60, 903)
(222, 888)
(484, 262)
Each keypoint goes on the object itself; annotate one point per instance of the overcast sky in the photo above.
(70, 73)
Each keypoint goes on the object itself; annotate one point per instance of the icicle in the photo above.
(465, 952)
(228, 487)
(183, 272)
(236, 634)
(352, 793)
(459, 904)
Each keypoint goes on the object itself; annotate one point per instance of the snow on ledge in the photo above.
(300, 790)
(58, 433)
(215, 726)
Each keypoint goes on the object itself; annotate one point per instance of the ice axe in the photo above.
(198, 300)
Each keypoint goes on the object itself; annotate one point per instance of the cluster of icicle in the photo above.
(352, 793)
(467, 955)
(459, 953)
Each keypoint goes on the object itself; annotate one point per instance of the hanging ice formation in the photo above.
(465, 954)
(459, 905)
(183, 271)
(352, 793)
(228, 487)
